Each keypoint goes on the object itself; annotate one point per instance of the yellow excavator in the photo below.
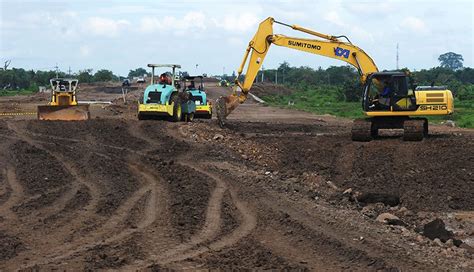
(63, 104)
(389, 102)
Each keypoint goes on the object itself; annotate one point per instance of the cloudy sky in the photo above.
(123, 35)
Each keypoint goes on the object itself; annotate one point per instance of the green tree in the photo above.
(466, 92)
(465, 75)
(42, 77)
(339, 75)
(139, 72)
(104, 75)
(353, 90)
(451, 61)
(85, 76)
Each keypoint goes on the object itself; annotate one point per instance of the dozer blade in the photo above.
(224, 106)
(65, 113)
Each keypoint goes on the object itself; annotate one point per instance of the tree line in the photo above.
(342, 79)
(345, 79)
(18, 78)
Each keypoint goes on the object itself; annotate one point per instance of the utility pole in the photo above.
(57, 70)
(276, 76)
(197, 68)
(262, 72)
(397, 56)
(69, 71)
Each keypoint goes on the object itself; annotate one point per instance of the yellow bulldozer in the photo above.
(63, 104)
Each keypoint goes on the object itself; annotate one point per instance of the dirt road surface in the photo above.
(274, 189)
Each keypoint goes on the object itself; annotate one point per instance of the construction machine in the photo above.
(63, 104)
(194, 85)
(164, 99)
(389, 100)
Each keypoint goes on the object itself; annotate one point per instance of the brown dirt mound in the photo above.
(264, 89)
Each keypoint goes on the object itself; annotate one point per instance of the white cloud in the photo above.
(361, 34)
(333, 17)
(237, 42)
(104, 26)
(190, 21)
(371, 7)
(414, 24)
(242, 22)
(84, 50)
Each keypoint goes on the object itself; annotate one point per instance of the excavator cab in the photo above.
(388, 91)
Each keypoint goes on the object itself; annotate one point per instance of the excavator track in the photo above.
(415, 129)
(362, 130)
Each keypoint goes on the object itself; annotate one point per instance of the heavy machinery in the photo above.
(163, 99)
(393, 110)
(194, 85)
(63, 104)
(223, 83)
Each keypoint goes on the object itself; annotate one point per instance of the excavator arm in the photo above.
(326, 45)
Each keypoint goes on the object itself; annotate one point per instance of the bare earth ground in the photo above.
(266, 192)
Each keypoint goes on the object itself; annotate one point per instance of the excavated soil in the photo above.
(273, 190)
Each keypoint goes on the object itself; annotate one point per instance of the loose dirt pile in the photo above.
(264, 89)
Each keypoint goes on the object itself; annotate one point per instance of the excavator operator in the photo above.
(384, 98)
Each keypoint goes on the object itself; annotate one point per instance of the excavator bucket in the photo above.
(65, 113)
(224, 106)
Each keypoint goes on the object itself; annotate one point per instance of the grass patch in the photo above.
(463, 114)
(13, 92)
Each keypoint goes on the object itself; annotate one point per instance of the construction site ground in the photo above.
(273, 189)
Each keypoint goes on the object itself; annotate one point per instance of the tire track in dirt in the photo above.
(206, 239)
(108, 234)
(55, 208)
(59, 205)
(212, 223)
(16, 194)
(322, 232)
